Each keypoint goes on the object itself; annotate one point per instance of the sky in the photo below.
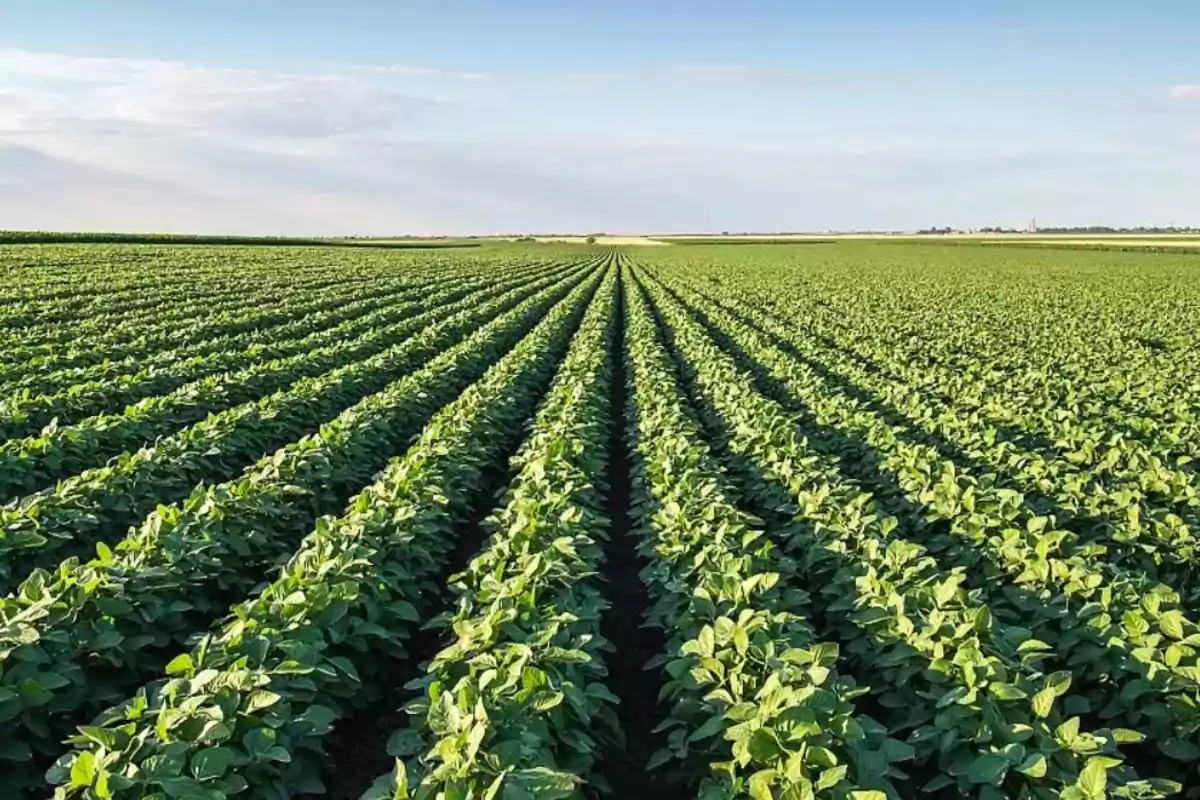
(374, 117)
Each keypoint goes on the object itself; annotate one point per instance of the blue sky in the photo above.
(262, 116)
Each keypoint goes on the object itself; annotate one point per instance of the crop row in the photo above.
(98, 504)
(397, 524)
(247, 709)
(104, 379)
(209, 329)
(47, 387)
(933, 652)
(31, 463)
(195, 318)
(1130, 646)
(1117, 491)
(121, 319)
(516, 703)
(757, 702)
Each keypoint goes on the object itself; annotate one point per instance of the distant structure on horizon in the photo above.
(1032, 226)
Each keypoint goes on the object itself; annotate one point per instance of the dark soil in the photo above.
(357, 746)
(639, 711)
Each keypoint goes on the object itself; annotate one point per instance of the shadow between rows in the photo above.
(740, 474)
(357, 746)
(912, 517)
(1091, 528)
(623, 624)
(1040, 444)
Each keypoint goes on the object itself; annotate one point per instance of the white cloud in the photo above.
(709, 75)
(412, 71)
(733, 74)
(60, 92)
(127, 144)
(1184, 91)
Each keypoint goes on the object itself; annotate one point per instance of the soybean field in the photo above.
(848, 520)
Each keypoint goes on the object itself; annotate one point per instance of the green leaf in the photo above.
(258, 741)
(12, 750)
(1034, 765)
(83, 771)
(189, 789)
(180, 664)
(346, 667)
(1171, 623)
(512, 791)
(406, 611)
(320, 717)
(760, 784)
(989, 768)
(896, 750)
(764, 746)
(211, 764)
(1006, 691)
(1179, 749)
(34, 694)
(1043, 703)
(706, 641)
(1093, 779)
(712, 727)
(261, 699)
(830, 777)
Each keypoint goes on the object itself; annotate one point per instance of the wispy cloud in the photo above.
(709, 75)
(59, 93)
(408, 70)
(111, 143)
(1185, 91)
(732, 74)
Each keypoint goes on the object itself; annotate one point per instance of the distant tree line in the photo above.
(64, 237)
(61, 237)
(1106, 229)
(1082, 229)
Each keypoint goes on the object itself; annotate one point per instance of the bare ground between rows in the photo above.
(639, 712)
(869, 471)
(357, 746)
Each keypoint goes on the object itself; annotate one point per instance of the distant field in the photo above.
(609, 241)
(1128, 241)
(426, 243)
(58, 237)
(1115, 241)
(929, 236)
